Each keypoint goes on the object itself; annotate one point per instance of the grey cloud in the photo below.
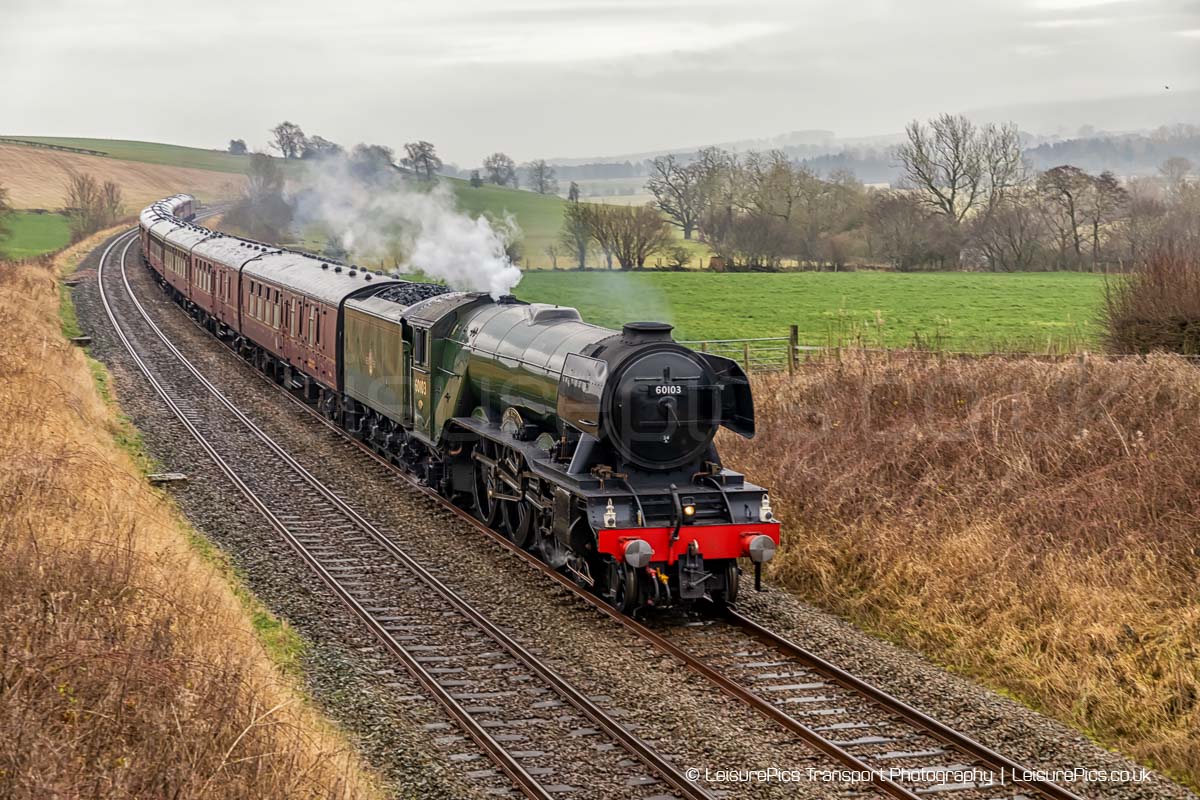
(551, 77)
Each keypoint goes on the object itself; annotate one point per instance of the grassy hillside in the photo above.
(538, 215)
(970, 311)
(151, 152)
(32, 234)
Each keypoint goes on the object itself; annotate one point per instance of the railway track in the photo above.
(894, 748)
(848, 719)
(520, 712)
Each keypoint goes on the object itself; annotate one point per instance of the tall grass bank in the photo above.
(1033, 524)
(128, 667)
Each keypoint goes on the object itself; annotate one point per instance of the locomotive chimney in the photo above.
(640, 332)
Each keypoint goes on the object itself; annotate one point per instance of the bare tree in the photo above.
(5, 211)
(262, 212)
(288, 139)
(372, 162)
(112, 204)
(1147, 213)
(678, 191)
(237, 147)
(320, 147)
(772, 186)
(1012, 237)
(542, 177)
(476, 179)
(573, 192)
(1107, 202)
(631, 233)
(903, 227)
(1175, 171)
(553, 251)
(576, 234)
(1063, 192)
(501, 170)
(957, 166)
(422, 159)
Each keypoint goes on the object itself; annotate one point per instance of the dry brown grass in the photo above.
(37, 178)
(128, 668)
(1031, 524)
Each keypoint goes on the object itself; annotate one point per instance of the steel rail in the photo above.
(526, 782)
(894, 705)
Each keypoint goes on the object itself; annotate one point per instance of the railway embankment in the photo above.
(1032, 525)
(132, 661)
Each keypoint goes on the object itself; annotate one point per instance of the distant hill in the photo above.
(1123, 114)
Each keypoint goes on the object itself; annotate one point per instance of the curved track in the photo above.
(901, 752)
(359, 562)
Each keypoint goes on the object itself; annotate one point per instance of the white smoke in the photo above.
(411, 227)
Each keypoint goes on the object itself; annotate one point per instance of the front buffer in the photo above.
(660, 566)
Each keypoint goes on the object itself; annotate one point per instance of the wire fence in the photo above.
(47, 146)
(786, 354)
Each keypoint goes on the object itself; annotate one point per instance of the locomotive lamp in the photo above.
(765, 513)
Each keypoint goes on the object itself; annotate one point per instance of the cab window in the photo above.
(419, 346)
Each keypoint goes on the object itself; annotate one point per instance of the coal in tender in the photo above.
(408, 293)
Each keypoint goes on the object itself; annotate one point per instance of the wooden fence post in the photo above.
(746, 354)
(793, 345)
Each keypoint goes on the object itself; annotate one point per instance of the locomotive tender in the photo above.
(592, 447)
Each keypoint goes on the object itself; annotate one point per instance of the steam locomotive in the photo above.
(593, 448)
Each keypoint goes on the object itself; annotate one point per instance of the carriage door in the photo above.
(422, 384)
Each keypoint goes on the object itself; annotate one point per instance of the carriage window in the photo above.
(277, 311)
(292, 317)
(312, 322)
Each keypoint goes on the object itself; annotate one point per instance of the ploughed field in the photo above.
(1029, 311)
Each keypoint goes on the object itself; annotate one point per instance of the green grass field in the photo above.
(33, 234)
(538, 215)
(956, 311)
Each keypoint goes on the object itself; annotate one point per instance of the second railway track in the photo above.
(904, 753)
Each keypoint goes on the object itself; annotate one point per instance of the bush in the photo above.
(1157, 307)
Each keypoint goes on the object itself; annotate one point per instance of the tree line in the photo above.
(420, 158)
(968, 200)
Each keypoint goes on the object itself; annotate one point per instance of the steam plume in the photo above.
(380, 217)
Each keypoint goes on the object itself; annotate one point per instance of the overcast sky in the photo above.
(542, 78)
